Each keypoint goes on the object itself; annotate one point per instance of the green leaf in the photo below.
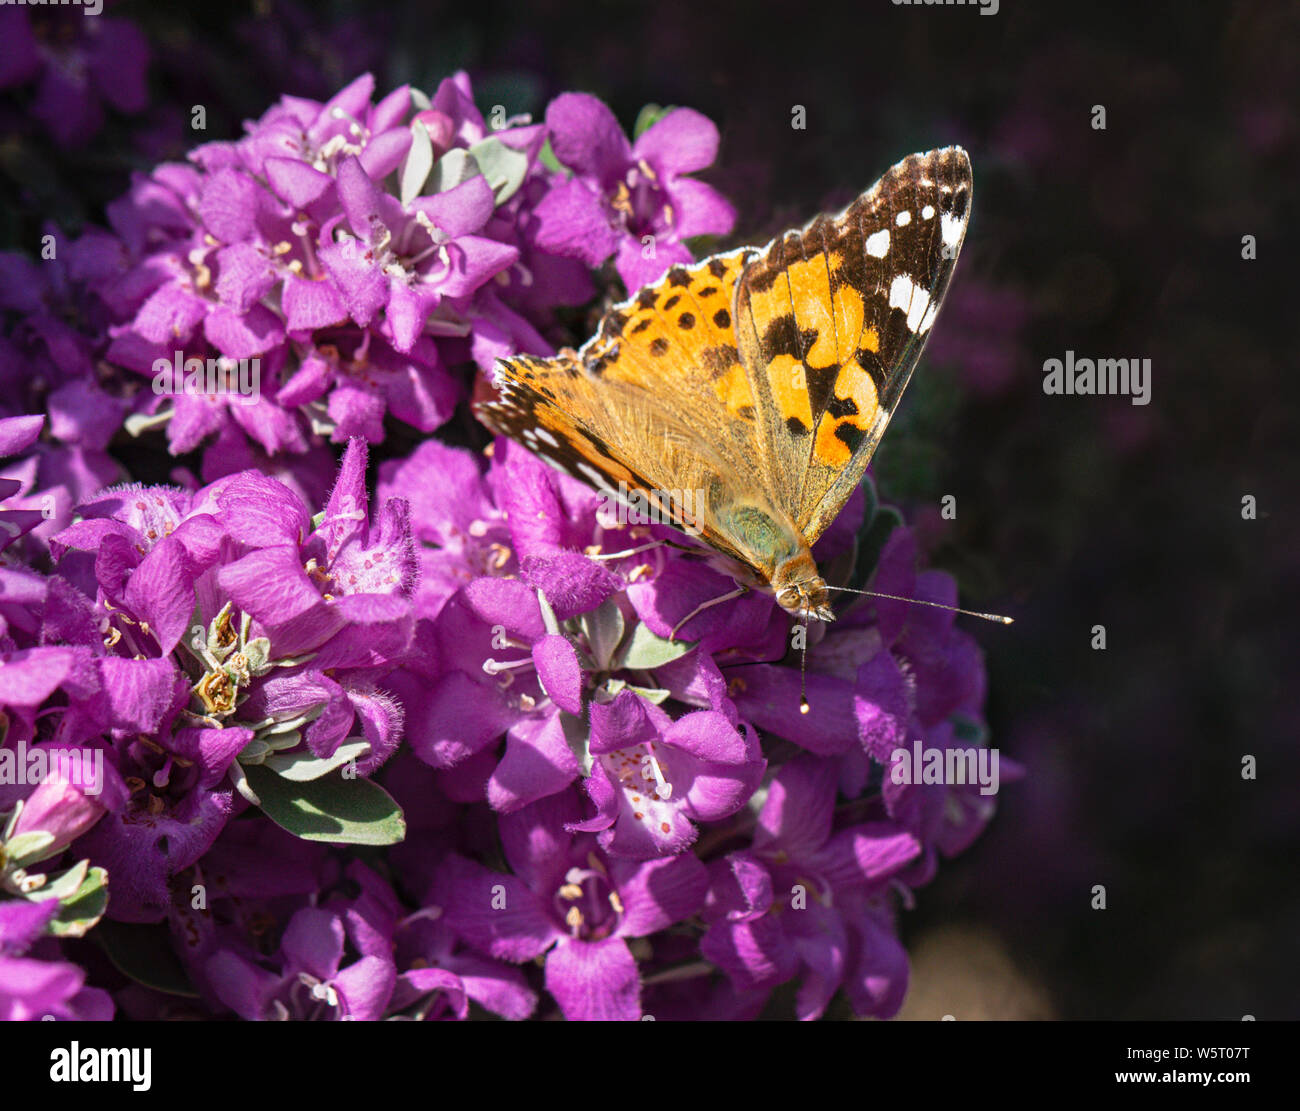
(646, 651)
(604, 628)
(650, 694)
(64, 885)
(145, 954)
(503, 166)
(546, 156)
(302, 767)
(417, 164)
(27, 848)
(649, 115)
(578, 739)
(451, 169)
(81, 911)
(331, 809)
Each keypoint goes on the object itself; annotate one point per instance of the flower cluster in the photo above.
(575, 794)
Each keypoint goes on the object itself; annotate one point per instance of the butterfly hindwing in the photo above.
(831, 321)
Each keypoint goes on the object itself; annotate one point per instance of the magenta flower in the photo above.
(568, 901)
(778, 910)
(630, 200)
(78, 65)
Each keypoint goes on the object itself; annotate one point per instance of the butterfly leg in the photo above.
(705, 605)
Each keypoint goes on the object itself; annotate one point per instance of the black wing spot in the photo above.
(672, 301)
(678, 276)
(722, 318)
(718, 360)
(659, 347)
(647, 298)
(849, 436)
(686, 321)
(642, 325)
(842, 407)
(717, 267)
(796, 427)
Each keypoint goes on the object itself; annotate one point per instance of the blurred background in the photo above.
(1072, 512)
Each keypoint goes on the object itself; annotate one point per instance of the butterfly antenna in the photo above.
(999, 618)
(804, 707)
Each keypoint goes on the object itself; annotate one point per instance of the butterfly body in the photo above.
(762, 378)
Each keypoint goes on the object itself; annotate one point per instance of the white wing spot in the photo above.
(544, 434)
(903, 218)
(878, 243)
(905, 294)
(951, 229)
(927, 212)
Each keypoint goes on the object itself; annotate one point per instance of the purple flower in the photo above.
(78, 65)
(621, 192)
(297, 620)
(314, 979)
(805, 899)
(568, 901)
(31, 987)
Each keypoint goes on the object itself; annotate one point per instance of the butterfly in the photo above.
(761, 378)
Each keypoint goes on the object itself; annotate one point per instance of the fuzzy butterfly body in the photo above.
(764, 378)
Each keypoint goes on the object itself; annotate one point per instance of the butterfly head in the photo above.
(800, 589)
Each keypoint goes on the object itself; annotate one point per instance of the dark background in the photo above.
(1071, 511)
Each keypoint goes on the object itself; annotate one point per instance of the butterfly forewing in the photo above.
(832, 319)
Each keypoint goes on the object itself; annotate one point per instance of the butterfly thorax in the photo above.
(778, 552)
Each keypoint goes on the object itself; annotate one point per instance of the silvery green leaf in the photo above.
(548, 615)
(650, 694)
(258, 652)
(331, 809)
(254, 752)
(27, 848)
(547, 158)
(649, 115)
(65, 884)
(646, 650)
(503, 166)
(578, 740)
(81, 908)
(607, 691)
(417, 164)
(604, 629)
(451, 169)
(300, 767)
(281, 742)
(239, 778)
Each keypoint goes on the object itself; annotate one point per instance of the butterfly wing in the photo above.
(656, 400)
(831, 321)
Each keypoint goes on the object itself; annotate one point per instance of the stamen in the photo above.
(663, 788)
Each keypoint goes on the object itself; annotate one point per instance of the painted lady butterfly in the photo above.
(763, 377)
